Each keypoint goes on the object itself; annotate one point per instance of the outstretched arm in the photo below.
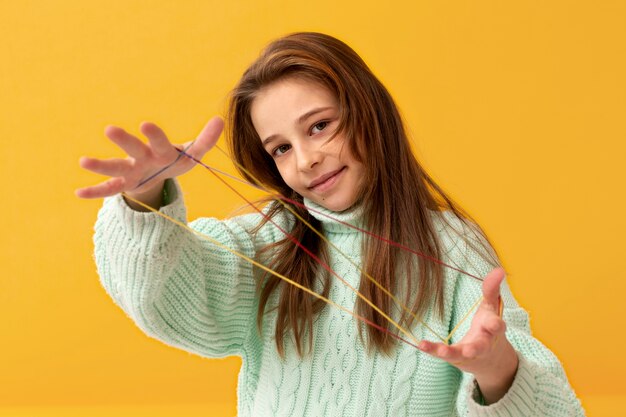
(484, 351)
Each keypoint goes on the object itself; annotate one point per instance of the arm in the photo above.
(517, 374)
(484, 351)
(539, 386)
(166, 279)
(175, 286)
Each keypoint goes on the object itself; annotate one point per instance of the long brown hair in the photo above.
(397, 204)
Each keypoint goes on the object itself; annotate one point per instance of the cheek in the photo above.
(361, 179)
(286, 174)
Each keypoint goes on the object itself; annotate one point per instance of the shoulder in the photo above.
(251, 225)
(452, 231)
(463, 243)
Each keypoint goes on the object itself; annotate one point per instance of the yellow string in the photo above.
(458, 325)
(321, 235)
(263, 267)
(368, 276)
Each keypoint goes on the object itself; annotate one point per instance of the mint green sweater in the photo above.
(182, 290)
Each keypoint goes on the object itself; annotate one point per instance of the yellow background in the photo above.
(517, 108)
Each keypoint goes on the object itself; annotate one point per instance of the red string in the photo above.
(299, 244)
(307, 250)
(297, 203)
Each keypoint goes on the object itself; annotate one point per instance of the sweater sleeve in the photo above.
(175, 285)
(540, 386)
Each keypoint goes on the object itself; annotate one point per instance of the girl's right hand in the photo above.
(144, 160)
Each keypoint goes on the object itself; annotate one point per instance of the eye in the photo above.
(280, 150)
(319, 126)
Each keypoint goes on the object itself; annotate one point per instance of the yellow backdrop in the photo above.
(517, 108)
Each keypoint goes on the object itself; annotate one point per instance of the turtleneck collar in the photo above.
(331, 220)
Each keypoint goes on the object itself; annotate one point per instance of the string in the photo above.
(467, 314)
(280, 198)
(182, 152)
(292, 238)
(265, 268)
(316, 258)
(317, 232)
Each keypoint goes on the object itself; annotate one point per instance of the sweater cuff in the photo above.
(147, 227)
(518, 401)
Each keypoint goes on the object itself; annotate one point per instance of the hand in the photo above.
(145, 159)
(484, 351)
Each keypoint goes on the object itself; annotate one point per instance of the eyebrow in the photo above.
(301, 120)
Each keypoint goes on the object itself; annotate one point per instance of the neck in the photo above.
(334, 221)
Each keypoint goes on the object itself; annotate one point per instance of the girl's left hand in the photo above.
(484, 351)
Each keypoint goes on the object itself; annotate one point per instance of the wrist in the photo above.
(152, 197)
(495, 381)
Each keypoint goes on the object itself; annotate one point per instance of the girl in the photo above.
(309, 120)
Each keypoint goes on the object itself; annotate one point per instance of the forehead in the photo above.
(280, 104)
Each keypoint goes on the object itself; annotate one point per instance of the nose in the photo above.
(308, 157)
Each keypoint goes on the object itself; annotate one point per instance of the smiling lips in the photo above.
(326, 181)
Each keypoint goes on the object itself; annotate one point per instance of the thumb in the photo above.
(491, 287)
(207, 138)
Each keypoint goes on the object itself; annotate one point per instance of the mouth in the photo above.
(325, 181)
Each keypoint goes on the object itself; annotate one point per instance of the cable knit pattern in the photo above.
(182, 290)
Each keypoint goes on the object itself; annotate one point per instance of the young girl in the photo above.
(311, 122)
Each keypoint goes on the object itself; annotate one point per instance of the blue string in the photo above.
(159, 172)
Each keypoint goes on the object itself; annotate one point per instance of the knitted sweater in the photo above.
(182, 290)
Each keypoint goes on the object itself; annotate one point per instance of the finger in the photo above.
(112, 167)
(442, 351)
(158, 140)
(129, 143)
(207, 138)
(104, 189)
(491, 287)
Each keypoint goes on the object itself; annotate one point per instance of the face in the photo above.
(295, 119)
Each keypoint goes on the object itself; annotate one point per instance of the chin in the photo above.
(337, 206)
